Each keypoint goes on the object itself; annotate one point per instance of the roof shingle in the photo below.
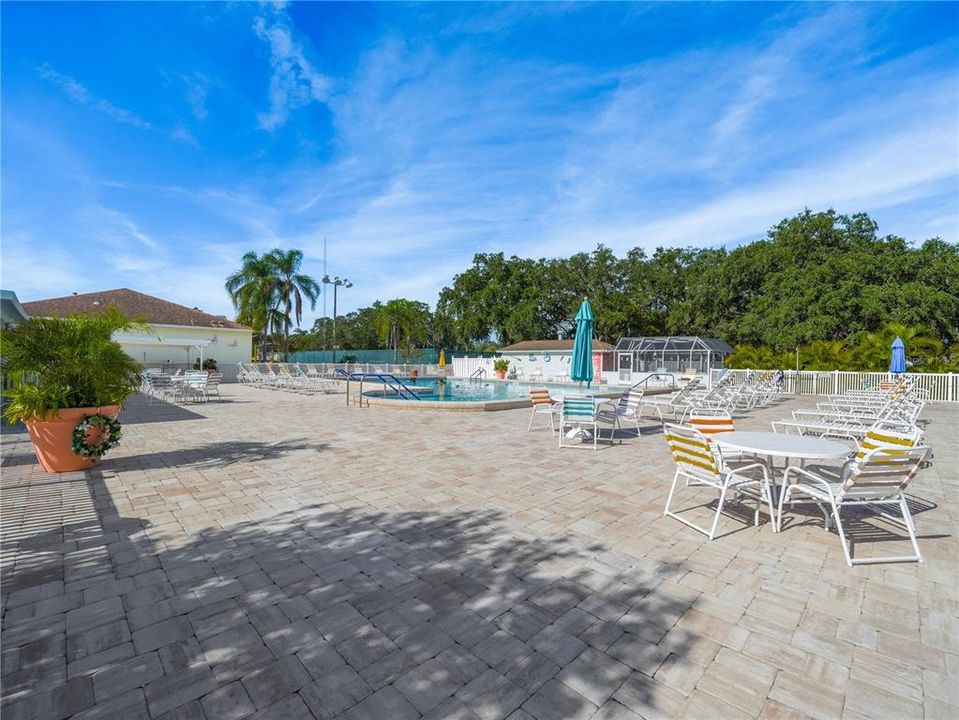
(551, 345)
(131, 303)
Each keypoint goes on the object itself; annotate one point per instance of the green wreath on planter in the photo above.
(94, 452)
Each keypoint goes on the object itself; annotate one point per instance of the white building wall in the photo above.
(551, 364)
(225, 345)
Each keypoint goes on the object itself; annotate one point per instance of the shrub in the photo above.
(69, 362)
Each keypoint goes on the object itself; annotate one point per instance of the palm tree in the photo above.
(825, 355)
(875, 349)
(400, 322)
(291, 287)
(757, 357)
(254, 292)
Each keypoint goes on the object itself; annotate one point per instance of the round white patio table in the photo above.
(801, 447)
(770, 444)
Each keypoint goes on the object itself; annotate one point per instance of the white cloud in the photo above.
(197, 89)
(82, 96)
(294, 83)
(441, 151)
(181, 134)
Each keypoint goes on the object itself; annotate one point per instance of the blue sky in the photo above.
(149, 145)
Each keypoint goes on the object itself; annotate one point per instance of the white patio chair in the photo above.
(628, 407)
(212, 386)
(696, 463)
(711, 422)
(543, 404)
(579, 413)
(885, 433)
(192, 386)
(161, 388)
(875, 478)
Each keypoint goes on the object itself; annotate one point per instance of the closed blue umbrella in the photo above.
(582, 367)
(898, 362)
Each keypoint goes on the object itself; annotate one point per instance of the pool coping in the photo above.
(373, 400)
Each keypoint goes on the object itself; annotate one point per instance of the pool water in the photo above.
(438, 390)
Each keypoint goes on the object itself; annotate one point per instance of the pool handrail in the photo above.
(644, 383)
(394, 383)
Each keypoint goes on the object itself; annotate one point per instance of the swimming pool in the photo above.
(464, 394)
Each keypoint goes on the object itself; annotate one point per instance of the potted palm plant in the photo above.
(500, 366)
(69, 380)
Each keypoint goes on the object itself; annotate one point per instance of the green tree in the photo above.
(759, 357)
(254, 292)
(290, 287)
(825, 355)
(874, 350)
(403, 324)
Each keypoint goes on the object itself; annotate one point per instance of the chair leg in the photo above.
(910, 525)
(531, 418)
(769, 501)
(672, 490)
(842, 534)
(783, 497)
(719, 510)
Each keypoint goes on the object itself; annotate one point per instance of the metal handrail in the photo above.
(388, 379)
(646, 380)
(475, 375)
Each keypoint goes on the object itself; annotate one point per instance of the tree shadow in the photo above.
(216, 454)
(140, 409)
(394, 611)
(17, 428)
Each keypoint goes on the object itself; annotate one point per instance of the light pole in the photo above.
(336, 282)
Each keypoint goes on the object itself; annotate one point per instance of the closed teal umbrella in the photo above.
(582, 367)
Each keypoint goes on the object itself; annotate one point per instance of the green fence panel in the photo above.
(424, 356)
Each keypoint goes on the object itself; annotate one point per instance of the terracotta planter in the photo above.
(501, 374)
(53, 438)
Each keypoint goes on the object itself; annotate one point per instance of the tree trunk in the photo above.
(286, 333)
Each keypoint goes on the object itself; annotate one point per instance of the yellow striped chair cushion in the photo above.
(890, 439)
(690, 447)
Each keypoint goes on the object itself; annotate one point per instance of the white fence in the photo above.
(941, 387)
(328, 369)
(464, 367)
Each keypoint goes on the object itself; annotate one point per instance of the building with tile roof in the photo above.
(178, 335)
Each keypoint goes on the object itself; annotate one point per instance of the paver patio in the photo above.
(281, 556)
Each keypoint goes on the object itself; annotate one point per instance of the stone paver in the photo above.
(283, 556)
